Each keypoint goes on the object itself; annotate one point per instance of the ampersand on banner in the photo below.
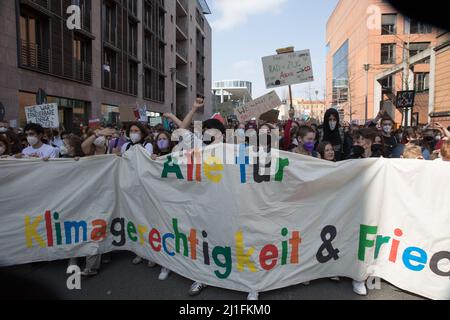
(328, 235)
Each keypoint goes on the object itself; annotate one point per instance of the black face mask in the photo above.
(358, 151)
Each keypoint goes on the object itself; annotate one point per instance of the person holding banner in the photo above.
(71, 147)
(163, 145)
(37, 149)
(48, 138)
(137, 134)
(189, 140)
(95, 143)
(117, 141)
(326, 151)
(306, 142)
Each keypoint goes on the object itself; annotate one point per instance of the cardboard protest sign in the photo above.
(287, 69)
(127, 114)
(270, 116)
(257, 107)
(45, 115)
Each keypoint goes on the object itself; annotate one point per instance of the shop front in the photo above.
(72, 113)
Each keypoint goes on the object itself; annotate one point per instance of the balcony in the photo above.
(41, 3)
(182, 8)
(182, 79)
(200, 20)
(182, 55)
(182, 32)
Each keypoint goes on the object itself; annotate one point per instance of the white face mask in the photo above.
(438, 138)
(32, 141)
(2, 151)
(3, 129)
(333, 125)
(135, 137)
(100, 141)
(64, 151)
(387, 129)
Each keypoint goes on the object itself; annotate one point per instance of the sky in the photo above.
(244, 31)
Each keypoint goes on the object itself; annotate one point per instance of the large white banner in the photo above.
(234, 226)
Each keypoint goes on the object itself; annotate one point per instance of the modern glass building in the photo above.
(340, 75)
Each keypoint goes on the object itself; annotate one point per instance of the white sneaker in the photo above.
(164, 274)
(137, 260)
(196, 289)
(253, 296)
(151, 264)
(337, 279)
(359, 288)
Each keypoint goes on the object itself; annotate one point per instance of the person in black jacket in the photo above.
(333, 133)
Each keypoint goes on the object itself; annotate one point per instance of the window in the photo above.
(109, 69)
(132, 77)
(422, 81)
(388, 53)
(387, 84)
(154, 50)
(417, 27)
(109, 22)
(416, 48)
(132, 7)
(34, 42)
(82, 59)
(340, 75)
(132, 38)
(388, 24)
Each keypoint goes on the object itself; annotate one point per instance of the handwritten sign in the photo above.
(257, 107)
(154, 121)
(289, 68)
(45, 114)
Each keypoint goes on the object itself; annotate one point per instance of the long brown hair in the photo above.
(7, 145)
(156, 149)
(75, 142)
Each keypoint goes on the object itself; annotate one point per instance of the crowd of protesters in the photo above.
(332, 140)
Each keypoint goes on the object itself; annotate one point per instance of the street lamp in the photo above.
(367, 68)
(173, 73)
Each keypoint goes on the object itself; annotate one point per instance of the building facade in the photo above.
(365, 38)
(440, 101)
(231, 94)
(127, 54)
(305, 109)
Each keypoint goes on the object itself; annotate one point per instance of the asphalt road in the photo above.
(121, 280)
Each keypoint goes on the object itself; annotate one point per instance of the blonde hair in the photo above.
(412, 151)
